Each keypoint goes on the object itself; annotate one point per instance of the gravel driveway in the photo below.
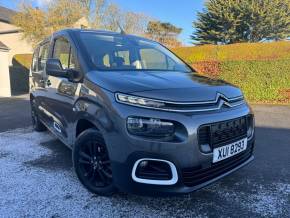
(37, 180)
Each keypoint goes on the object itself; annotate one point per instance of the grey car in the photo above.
(137, 118)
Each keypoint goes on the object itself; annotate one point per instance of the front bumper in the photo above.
(124, 181)
(125, 150)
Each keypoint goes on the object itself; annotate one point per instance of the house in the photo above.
(11, 35)
(12, 43)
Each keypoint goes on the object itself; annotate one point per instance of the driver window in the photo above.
(63, 51)
(153, 59)
(42, 56)
(124, 55)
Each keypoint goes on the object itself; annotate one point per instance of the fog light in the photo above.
(153, 170)
(150, 127)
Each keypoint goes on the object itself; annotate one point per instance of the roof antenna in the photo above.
(122, 31)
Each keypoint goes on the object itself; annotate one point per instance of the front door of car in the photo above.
(61, 93)
(37, 80)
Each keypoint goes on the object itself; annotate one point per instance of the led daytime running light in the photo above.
(138, 101)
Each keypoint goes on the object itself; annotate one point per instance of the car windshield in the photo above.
(124, 52)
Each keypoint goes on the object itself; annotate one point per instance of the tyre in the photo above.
(92, 163)
(36, 123)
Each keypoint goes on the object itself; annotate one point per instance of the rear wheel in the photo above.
(92, 163)
(36, 123)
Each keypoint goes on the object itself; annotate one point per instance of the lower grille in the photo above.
(197, 175)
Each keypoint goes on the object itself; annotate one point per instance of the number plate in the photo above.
(230, 150)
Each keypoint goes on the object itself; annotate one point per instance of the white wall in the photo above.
(16, 44)
(14, 41)
(5, 89)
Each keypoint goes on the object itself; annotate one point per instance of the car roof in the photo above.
(96, 31)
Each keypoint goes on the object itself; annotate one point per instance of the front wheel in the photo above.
(92, 163)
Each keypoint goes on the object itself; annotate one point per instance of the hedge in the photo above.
(236, 52)
(261, 70)
(261, 81)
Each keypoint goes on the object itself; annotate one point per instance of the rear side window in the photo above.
(42, 56)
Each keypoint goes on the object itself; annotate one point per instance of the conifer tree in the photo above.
(232, 21)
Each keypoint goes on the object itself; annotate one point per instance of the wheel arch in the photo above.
(84, 124)
(91, 114)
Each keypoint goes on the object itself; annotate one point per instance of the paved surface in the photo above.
(37, 180)
(14, 112)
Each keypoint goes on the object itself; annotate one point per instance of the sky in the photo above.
(180, 13)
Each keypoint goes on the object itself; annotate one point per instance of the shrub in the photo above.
(207, 68)
(261, 70)
(236, 52)
(261, 81)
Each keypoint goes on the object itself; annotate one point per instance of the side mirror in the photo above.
(74, 76)
(53, 68)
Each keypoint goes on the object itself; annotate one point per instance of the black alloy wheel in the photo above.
(92, 163)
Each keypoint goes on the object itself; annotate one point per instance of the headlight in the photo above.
(150, 127)
(138, 101)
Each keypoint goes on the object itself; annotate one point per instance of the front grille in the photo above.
(218, 103)
(198, 175)
(222, 132)
(204, 135)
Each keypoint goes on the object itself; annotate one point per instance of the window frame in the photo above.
(71, 51)
(54, 46)
(35, 56)
(43, 44)
(88, 57)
